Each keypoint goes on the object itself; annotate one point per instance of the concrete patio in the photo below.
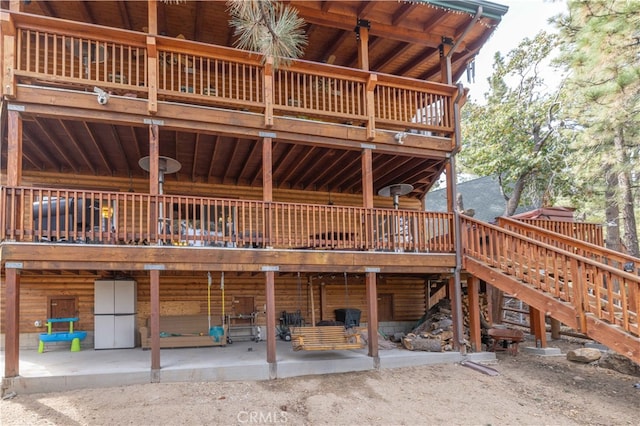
(58, 369)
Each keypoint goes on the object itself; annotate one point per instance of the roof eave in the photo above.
(489, 9)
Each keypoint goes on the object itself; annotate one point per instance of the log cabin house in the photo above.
(138, 144)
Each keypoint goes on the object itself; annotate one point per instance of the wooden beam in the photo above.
(332, 46)
(379, 29)
(12, 323)
(85, 12)
(124, 15)
(199, 21)
(60, 152)
(195, 156)
(213, 161)
(35, 256)
(74, 142)
(304, 156)
(398, 51)
(44, 156)
(235, 124)
(365, 8)
(322, 176)
(98, 147)
(423, 56)
(402, 12)
(253, 152)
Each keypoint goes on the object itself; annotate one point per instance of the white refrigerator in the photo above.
(114, 314)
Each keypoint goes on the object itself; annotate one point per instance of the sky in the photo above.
(523, 20)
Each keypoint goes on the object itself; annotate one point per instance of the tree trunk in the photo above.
(624, 182)
(514, 200)
(611, 210)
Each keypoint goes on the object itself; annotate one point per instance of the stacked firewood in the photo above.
(435, 331)
(484, 311)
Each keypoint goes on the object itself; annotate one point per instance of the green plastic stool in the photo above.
(75, 345)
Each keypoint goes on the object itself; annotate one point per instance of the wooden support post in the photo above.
(363, 47)
(445, 64)
(367, 194)
(454, 309)
(555, 329)
(323, 302)
(538, 327)
(14, 171)
(267, 172)
(267, 188)
(14, 148)
(271, 318)
(152, 16)
(154, 295)
(473, 298)
(371, 107)
(268, 92)
(495, 298)
(372, 315)
(154, 155)
(8, 40)
(12, 323)
(367, 178)
(152, 75)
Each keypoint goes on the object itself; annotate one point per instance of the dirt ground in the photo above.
(529, 390)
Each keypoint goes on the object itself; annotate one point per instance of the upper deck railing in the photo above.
(48, 51)
(98, 217)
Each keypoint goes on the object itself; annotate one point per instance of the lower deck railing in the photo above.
(31, 214)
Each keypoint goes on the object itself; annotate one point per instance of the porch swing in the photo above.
(325, 338)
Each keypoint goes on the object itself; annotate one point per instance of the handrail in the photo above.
(574, 245)
(99, 217)
(50, 51)
(608, 293)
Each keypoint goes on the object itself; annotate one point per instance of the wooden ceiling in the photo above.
(103, 149)
(404, 40)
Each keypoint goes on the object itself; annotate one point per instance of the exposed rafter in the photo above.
(81, 152)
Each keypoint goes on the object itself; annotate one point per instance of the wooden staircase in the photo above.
(594, 290)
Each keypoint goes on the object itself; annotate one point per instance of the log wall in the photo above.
(186, 294)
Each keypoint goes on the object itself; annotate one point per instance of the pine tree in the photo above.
(515, 135)
(601, 47)
(268, 27)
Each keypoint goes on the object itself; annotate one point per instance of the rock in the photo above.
(620, 364)
(584, 355)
